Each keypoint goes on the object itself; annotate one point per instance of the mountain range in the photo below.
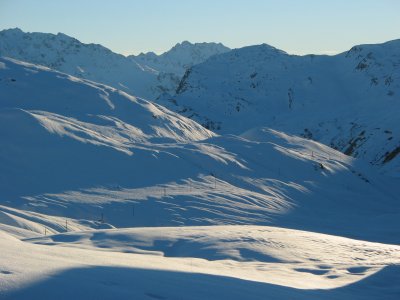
(146, 75)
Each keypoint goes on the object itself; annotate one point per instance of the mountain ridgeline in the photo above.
(146, 75)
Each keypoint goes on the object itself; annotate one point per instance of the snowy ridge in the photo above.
(348, 101)
(68, 55)
(74, 98)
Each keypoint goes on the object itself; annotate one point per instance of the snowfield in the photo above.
(104, 195)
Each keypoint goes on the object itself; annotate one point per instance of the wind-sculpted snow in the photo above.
(348, 101)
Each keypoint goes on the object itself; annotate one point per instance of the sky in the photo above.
(133, 26)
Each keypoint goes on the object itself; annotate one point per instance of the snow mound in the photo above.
(238, 243)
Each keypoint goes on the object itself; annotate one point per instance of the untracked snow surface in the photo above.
(224, 262)
(104, 195)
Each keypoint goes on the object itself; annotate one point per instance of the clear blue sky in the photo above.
(133, 26)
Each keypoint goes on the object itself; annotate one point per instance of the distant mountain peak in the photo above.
(183, 43)
(12, 30)
(65, 36)
(180, 57)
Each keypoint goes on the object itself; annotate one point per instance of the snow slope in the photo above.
(146, 75)
(348, 101)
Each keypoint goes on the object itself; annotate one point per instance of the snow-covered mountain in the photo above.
(180, 58)
(82, 163)
(146, 75)
(349, 101)
(108, 193)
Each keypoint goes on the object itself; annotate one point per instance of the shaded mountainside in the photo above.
(348, 101)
